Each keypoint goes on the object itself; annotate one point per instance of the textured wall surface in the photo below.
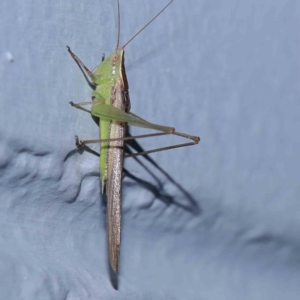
(219, 220)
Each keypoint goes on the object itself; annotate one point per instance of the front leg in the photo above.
(82, 66)
(77, 105)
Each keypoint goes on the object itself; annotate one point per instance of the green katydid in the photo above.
(111, 103)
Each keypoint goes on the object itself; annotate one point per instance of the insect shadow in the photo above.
(157, 189)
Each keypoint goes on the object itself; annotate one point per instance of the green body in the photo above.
(107, 76)
(111, 104)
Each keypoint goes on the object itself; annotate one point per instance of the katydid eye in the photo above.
(114, 58)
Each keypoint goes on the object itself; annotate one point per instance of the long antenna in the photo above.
(119, 26)
(146, 24)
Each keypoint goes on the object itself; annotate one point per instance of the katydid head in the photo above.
(110, 68)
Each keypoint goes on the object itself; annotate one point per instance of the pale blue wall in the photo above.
(225, 70)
